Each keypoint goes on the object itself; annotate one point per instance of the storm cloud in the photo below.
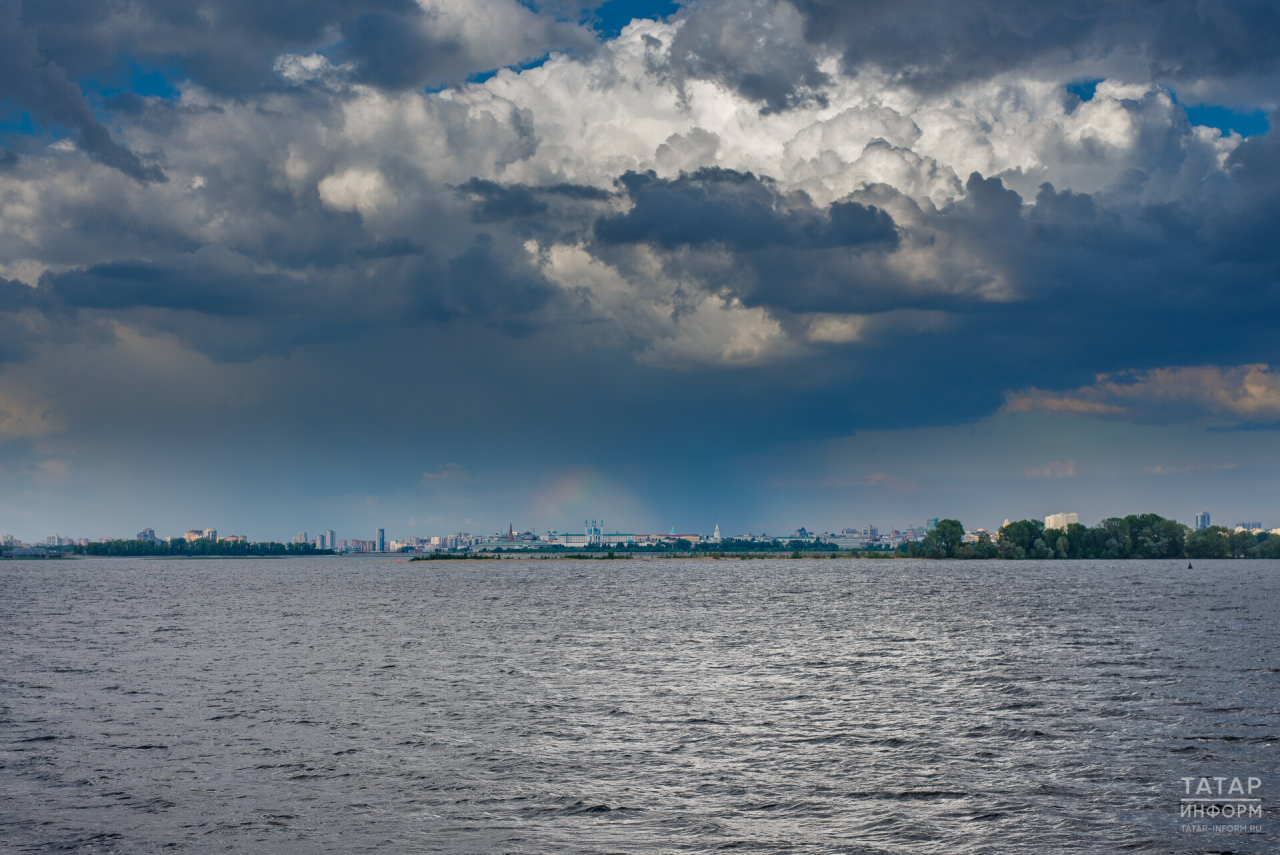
(892, 217)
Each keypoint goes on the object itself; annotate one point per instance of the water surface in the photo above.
(357, 705)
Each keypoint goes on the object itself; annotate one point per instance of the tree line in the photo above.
(1134, 536)
(202, 546)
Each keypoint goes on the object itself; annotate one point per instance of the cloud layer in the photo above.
(972, 205)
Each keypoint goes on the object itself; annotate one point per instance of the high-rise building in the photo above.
(1249, 526)
(320, 540)
(1202, 521)
(930, 525)
(331, 539)
(192, 535)
(382, 540)
(1061, 521)
(300, 537)
(210, 534)
(148, 534)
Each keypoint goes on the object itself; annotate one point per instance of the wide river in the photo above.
(364, 705)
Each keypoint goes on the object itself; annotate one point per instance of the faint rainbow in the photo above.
(564, 499)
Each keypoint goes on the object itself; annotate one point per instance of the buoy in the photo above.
(1189, 567)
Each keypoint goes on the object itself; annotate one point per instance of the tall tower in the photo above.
(382, 540)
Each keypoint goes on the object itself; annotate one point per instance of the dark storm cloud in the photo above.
(496, 201)
(546, 211)
(492, 281)
(390, 51)
(28, 317)
(738, 210)
(936, 44)
(231, 45)
(16, 296)
(391, 248)
(754, 48)
(1103, 289)
(32, 83)
(186, 285)
(49, 49)
(1084, 285)
(217, 302)
(407, 49)
(962, 301)
(213, 300)
(785, 250)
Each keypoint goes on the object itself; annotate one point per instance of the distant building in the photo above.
(692, 538)
(595, 531)
(148, 534)
(382, 540)
(234, 538)
(321, 541)
(1202, 521)
(300, 537)
(1249, 526)
(616, 538)
(1061, 521)
(930, 525)
(715, 536)
(331, 538)
(192, 535)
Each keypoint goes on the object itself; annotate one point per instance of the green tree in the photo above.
(1211, 542)
(1268, 546)
(943, 540)
(984, 548)
(1017, 539)
(1240, 542)
(1153, 536)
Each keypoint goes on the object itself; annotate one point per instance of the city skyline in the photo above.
(671, 263)
(327, 539)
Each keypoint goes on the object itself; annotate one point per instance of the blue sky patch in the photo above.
(1228, 120)
(1084, 89)
(612, 16)
(128, 75)
(14, 120)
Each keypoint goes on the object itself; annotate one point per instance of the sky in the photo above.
(450, 265)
